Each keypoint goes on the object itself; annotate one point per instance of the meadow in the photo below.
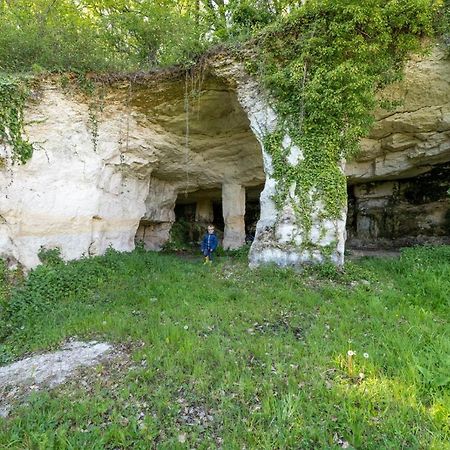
(226, 357)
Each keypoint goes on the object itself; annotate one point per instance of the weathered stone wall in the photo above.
(410, 139)
(67, 195)
(84, 198)
(154, 227)
(280, 238)
(402, 212)
(399, 182)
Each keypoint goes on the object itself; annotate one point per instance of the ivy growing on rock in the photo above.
(13, 94)
(323, 65)
(322, 60)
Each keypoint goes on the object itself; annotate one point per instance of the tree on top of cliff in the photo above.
(130, 35)
(122, 35)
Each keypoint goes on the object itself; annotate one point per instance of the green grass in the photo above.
(263, 352)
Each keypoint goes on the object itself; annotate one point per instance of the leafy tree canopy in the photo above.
(108, 35)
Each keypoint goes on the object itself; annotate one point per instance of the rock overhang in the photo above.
(159, 136)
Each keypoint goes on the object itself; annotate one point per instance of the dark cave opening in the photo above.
(400, 213)
(195, 211)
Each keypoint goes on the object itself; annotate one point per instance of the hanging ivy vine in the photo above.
(13, 94)
(323, 66)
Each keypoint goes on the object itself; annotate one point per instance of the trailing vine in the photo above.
(323, 66)
(13, 95)
(94, 92)
(93, 125)
(193, 82)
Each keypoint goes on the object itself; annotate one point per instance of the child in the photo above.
(209, 244)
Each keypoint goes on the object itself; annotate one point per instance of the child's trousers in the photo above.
(208, 253)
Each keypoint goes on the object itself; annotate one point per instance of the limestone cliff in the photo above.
(103, 174)
(402, 176)
(412, 138)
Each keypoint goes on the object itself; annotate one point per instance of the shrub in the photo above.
(53, 282)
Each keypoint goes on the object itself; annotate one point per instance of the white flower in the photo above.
(351, 353)
(185, 327)
(361, 375)
(366, 355)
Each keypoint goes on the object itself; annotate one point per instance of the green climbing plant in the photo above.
(324, 65)
(13, 94)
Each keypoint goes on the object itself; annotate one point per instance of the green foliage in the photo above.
(152, 33)
(56, 36)
(50, 257)
(442, 25)
(323, 65)
(179, 234)
(52, 282)
(184, 234)
(4, 288)
(100, 35)
(348, 274)
(108, 36)
(13, 94)
(421, 270)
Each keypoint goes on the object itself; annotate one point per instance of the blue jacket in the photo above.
(209, 242)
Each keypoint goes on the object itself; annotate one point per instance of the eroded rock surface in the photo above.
(47, 370)
(87, 189)
(415, 136)
(280, 237)
(109, 170)
(400, 213)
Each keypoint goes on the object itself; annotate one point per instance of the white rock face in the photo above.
(280, 237)
(84, 201)
(67, 195)
(410, 139)
(155, 225)
(233, 204)
(83, 198)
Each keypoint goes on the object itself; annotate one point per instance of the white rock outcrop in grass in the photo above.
(48, 370)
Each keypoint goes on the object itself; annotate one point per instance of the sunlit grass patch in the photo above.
(228, 357)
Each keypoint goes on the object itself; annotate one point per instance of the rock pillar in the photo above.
(155, 226)
(204, 211)
(281, 237)
(233, 204)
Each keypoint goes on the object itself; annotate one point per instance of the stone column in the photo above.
(280, 236)
(155, 226)
(233, 205)
(204, 211)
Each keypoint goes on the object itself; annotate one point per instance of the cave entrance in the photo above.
(233, 209)
(208, 164)
(392, 214)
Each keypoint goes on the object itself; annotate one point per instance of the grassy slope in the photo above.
(264, 352)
